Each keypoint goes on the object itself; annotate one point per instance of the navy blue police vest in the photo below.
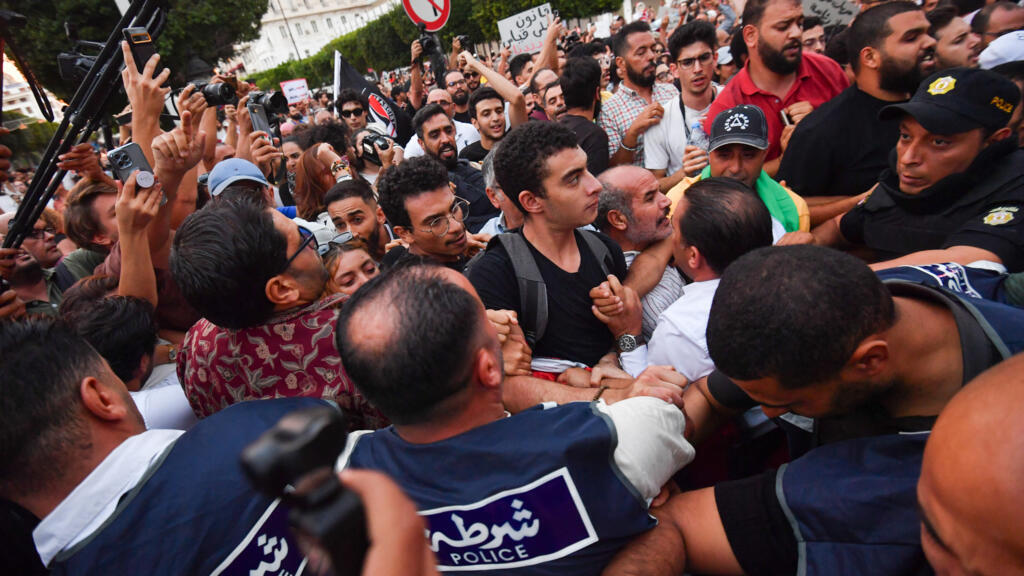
(974, 282)
(195, 513)
(853, 506)
(537, 493)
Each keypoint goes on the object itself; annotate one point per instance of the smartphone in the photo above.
(785, 118)
(141, 45)
(127, 159)
(260, 122)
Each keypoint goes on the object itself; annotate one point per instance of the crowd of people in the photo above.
(710, 295)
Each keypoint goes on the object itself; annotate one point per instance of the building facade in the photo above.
(294, 29)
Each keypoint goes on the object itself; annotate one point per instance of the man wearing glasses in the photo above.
(455, 84)
(426, 215)
(670, 155)
(997, 19)
(352, 107)
(258, 280)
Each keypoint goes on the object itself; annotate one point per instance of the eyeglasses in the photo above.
(352, 112)
(470, 74)
(662, 75)
(455, 83)
(688, 62)
(41, 233)
(1000, 33)
(442, 224)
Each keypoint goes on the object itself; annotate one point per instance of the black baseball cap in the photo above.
(957, 100)
(743, 124)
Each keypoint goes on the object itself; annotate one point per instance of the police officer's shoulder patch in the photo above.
(1000, 215)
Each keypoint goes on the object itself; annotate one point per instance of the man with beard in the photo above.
(465, 134)
(258, 281)
(779, 79)
(30, 269)
(639, 102)
(455, 84)
(955, 44)
(954, 191)
(838, 151)
(436, 134)
(581, 88)
(669, 153)
(353, 208)
(632, 211)
(887, 358)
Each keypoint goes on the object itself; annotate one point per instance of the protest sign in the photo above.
(524, 32)
(295, 90)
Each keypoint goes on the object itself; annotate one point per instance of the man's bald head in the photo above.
(409, 339)
(443, 98)
(970, 491)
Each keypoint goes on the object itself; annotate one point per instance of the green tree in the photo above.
(27, 139)
(208, 29)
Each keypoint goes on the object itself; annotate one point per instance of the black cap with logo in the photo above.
(958, 100)
(743, 124)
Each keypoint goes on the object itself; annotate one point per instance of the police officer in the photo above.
(954, 191)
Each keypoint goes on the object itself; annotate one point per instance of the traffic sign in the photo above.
(432, 13)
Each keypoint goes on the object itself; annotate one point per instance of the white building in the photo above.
(17, 96)
(295, 29)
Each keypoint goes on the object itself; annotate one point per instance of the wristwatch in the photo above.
(172, 353)
(627, 343)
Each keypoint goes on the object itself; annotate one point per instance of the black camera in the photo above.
(371, 142)
(463, 41)
(294, 461)
(218, 94)
(273, 101)
(427, 41)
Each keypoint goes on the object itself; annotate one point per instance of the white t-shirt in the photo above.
(665, 142)
(465, 134)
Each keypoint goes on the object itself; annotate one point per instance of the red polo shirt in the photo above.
(818, 80)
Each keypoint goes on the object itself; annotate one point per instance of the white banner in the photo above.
(524, 32)
(295, 90)
(832, 11)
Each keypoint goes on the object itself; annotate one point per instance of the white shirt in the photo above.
(650, 447)
(680, 340)
(664, 293)
(665, 142)
(465, 134)
(93, 501)
(165, 405)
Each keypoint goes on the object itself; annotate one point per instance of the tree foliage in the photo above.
(384, 43)
(28, 139)
(208, 29)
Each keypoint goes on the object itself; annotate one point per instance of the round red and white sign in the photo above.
(433, 13)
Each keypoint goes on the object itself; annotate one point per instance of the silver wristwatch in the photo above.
(627, 343)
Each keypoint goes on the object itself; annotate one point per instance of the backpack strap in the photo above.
(600, 251)
(533, 294)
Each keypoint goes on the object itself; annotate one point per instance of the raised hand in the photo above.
(179, 150)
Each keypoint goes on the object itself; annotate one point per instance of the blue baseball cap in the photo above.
(232, 170)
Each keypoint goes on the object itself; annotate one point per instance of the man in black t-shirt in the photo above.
(860, 369)
(581, 89)
(837, 152)
(955, 189)
(543, 171)
(487, 110)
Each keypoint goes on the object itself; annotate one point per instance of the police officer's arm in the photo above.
(963, 255)
(689, 537)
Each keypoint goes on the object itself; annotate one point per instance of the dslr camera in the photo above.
(427, 41)
(218, 94)
(371, 142)
(294, 461)
(463, 41)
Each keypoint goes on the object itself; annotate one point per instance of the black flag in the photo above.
(382, 110)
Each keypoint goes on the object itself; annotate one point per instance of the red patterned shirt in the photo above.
(293, 354)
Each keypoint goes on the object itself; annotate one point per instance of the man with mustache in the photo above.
(639, 102)
(436, 133)
(455, 84)
(632, 211)
(837, 152)
(778, 77)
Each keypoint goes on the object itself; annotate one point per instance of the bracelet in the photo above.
(622, 144)
(599, 392)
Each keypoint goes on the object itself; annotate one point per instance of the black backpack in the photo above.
(533, 294)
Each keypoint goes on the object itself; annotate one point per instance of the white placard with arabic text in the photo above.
(295, 90)
(832, 11)
(524, 32)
